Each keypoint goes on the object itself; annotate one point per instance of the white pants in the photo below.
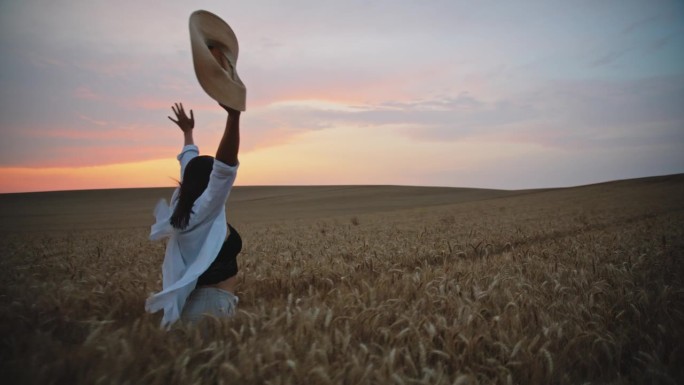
(209, 300)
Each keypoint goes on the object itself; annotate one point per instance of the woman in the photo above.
(199, 270)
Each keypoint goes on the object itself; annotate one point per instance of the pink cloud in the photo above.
(86, 93)
(110, 67)
(93, 121)
(44, 61)
(150, 102)
(100, 145)
(128, 132)
(75, 156)
(349, 87)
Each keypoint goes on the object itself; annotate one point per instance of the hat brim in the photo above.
(219, 80)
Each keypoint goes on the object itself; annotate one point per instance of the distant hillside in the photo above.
(126, 208)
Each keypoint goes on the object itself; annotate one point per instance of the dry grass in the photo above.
(563, 286)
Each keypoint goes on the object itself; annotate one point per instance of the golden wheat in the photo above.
(567, 286)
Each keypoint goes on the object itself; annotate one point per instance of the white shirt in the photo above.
(189, 252)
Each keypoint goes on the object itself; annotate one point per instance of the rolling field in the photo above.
(358, 285)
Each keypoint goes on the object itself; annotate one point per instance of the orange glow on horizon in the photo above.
(376, 156)
(153, 173)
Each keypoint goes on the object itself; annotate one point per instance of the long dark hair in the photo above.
(195, 181)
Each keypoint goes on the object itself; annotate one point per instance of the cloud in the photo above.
(566, 114)
(661, 42)
(84, 92)
(642, 22)
(88, 145)
(609, 57)
(437, 119)
(463, 102)
(581, 114)
(93, 121)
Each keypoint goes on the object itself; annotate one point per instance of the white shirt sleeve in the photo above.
(216, 194)
(187, 153)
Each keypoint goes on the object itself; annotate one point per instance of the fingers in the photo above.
(171, 119)
(179, 111)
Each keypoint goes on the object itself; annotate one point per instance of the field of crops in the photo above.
(565, 286)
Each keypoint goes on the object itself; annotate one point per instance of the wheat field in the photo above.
(376, 285)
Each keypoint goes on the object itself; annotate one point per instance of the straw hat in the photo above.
(214, 54)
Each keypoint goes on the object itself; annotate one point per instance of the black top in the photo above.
(225, 264)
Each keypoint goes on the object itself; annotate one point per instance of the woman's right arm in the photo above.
(186, 124)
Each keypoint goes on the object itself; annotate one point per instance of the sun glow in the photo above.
(153, 173)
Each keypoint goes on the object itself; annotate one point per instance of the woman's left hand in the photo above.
(186, 124)
(230, 111)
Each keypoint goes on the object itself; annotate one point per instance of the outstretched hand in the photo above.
(186, 124)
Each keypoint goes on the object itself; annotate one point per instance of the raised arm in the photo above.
(186, 124)
(224, 171)
(230, 142)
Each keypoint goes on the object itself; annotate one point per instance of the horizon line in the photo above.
(351, 185)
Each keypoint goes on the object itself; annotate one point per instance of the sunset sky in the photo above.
(495, 94)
